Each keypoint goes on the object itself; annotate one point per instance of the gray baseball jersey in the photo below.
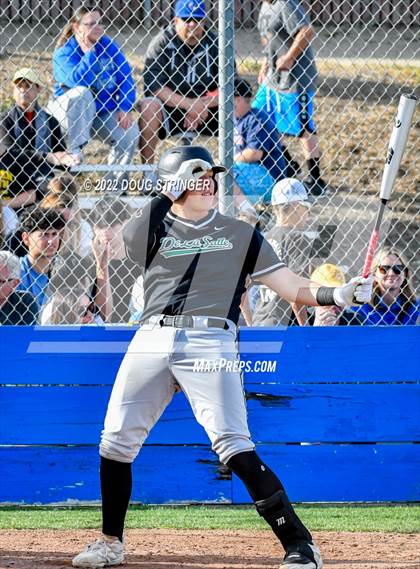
(195, 270)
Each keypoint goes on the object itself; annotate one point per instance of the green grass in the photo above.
(391, 518)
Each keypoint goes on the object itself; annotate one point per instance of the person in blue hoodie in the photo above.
(94, 91)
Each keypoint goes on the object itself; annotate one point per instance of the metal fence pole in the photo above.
(226, 79)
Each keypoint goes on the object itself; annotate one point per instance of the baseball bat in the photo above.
(395, 152)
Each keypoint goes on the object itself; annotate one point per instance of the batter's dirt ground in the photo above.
(170, 549)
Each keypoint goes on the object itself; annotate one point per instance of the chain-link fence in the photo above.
(91, 96)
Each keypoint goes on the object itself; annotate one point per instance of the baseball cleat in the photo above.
(302, 556)
(100, 554)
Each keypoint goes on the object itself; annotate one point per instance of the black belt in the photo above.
(183, 321)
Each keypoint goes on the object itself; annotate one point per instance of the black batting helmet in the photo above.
(172, 159)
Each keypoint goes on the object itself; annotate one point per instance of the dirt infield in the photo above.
(169, 549)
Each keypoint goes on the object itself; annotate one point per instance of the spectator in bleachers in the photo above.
(331, 275)
(30, 134)
(77, 235)
(69, 307)
(108, 218)
(393, 300)
(62, 183)
(79, 292)
(94, 92)
(288, 79)
(41, 230)
(180, 79)
(293, 243)
(16, 306)
(259, 161)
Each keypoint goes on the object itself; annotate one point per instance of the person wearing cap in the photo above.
(30, 139)
(180, 79)
(292, 241)
(94, 92)
(332, 275)
(288, 80)
(258, 158)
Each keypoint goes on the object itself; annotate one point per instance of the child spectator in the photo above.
(393, 300)
(41, 231)
(77, 293)
(293, 244)
(69, 307)
(331, 275)
(108, 219)
(16, 307)
(259, 162)
(61, 183)
(94, 92)
(77, 235)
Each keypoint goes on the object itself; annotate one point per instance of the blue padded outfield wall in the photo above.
(338, 419)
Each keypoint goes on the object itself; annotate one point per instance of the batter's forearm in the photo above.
(294, 288)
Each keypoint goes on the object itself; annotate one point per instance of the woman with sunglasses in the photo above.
(393, 300)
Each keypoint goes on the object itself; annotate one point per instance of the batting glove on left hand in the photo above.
(357, 291)
(189, 172)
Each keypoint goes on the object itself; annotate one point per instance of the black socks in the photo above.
(116, 484)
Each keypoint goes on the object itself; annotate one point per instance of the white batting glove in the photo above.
(358, 291)
(184, 179)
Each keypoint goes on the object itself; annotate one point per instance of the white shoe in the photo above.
(302, 556)
(99, 554)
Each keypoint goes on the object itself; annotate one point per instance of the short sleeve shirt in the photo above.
(33, 282)
(294, 247)
(279, 23)
(257, 131)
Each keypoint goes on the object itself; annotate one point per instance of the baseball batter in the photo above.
(196, 263)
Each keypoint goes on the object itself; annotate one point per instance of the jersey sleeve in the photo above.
(261, 258)
(140, 232)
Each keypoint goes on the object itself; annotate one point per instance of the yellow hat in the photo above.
(329, 275)
(27, 74)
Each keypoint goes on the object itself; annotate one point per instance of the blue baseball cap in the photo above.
(190, 9)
